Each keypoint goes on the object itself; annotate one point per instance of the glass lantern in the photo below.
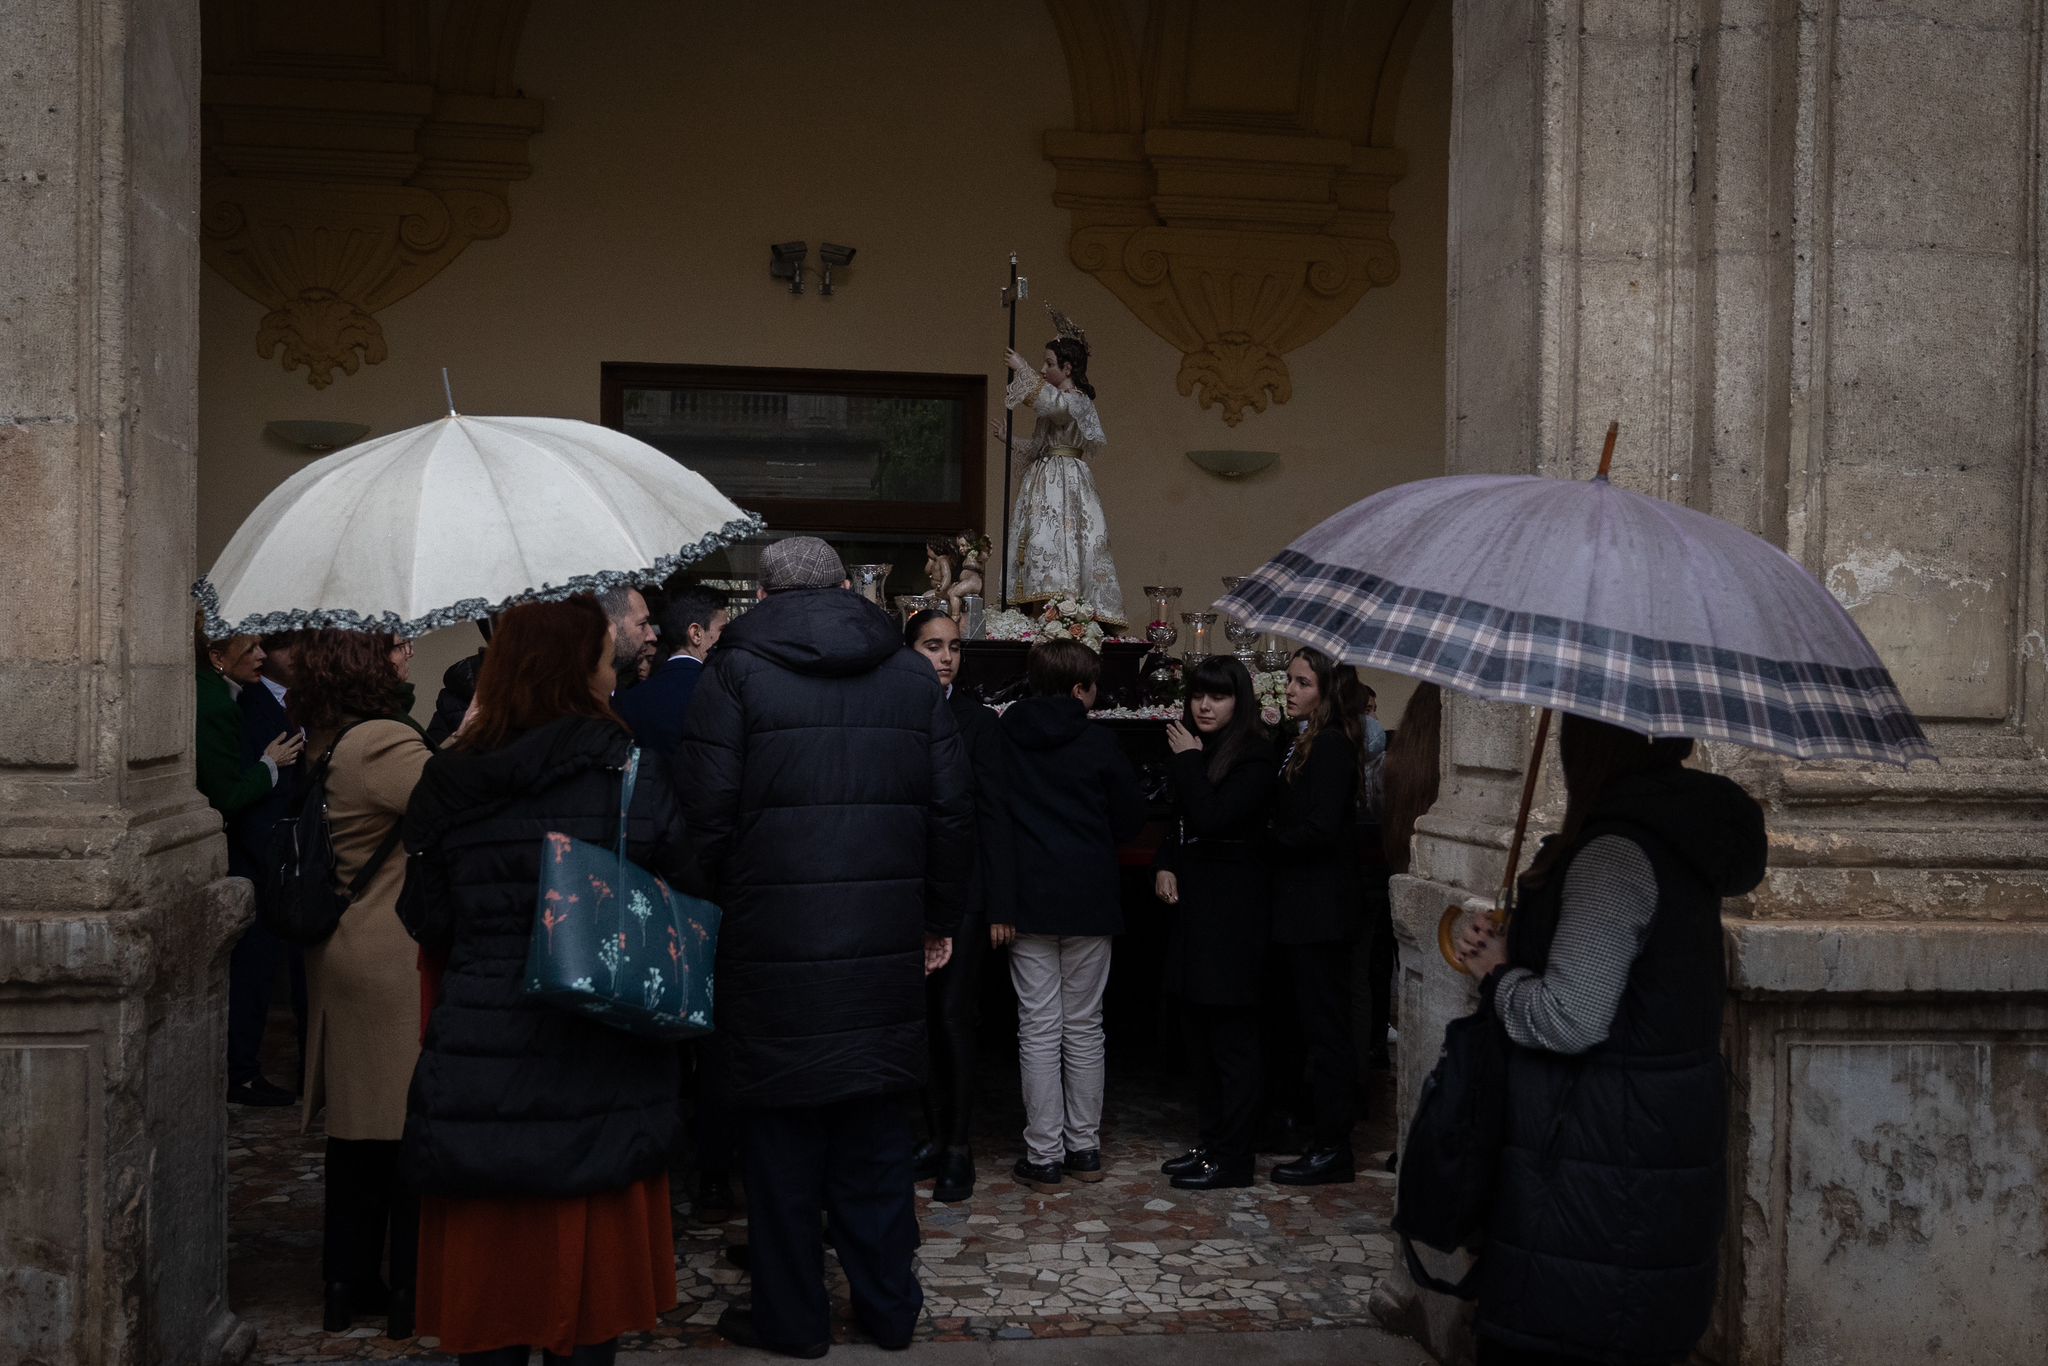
(1241, 635)
(1160, 633)
(1201, 627)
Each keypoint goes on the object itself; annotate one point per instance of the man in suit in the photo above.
(690, 622)
(252, 969)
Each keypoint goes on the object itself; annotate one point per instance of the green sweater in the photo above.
(225, 781)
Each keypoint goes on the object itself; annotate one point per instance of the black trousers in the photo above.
(369, 1211)
(1321, 977)
(851, 1161)
(1372, 983)
(952, 1010)
(252, 968)
(1222, 1044)
(713, 1126)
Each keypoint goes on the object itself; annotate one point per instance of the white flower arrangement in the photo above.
(1059, 619)
(1270, 688)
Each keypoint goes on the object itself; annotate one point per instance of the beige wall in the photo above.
(682, 139)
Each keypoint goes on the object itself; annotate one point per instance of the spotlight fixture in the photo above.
(832, 254)
(786, 262)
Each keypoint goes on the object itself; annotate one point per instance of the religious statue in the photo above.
(1059, 539)
(954, 565)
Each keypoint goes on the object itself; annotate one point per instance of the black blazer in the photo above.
(655, 709)
(1075, 799)
(992, 884)
(263, 720)
(1218, 931)
(1318, 889)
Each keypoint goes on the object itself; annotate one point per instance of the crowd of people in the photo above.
(497, 1169)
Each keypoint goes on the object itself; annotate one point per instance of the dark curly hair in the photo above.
(344, 676)
(1073, 351)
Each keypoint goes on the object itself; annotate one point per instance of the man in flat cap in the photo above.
(828, 807)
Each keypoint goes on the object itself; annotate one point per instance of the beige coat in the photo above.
(363, 985)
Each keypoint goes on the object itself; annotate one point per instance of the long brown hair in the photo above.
(1339, 706)
(1595, 756)
(1412, 771)
(342, 676)
(538, 670)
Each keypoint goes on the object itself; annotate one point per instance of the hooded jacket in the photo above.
(827, 792)
(512, 1096)
(1074, 799)
(1604, 1242)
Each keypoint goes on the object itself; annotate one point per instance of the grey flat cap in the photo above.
(801, 562)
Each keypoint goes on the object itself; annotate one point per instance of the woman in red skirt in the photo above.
(538, 1138)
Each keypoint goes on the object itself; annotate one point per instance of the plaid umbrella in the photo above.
(1592, 600)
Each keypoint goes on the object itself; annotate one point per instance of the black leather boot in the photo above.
(1318, 1167)
(1189, 1161)
(1043, 1177)
(1231, 1174)
(339, 1313)
(954, 1180)
(400, 1314)
(925, 1159)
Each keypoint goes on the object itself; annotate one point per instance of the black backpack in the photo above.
(300, 903)
(1445, 1187)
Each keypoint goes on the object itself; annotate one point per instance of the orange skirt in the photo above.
(545, 1273)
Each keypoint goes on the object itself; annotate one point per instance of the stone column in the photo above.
(1792, 247)
(114, 918)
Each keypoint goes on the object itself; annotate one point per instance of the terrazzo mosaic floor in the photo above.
(1127, 1256)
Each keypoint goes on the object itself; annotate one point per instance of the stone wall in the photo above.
(1793, 249)
(113, 923)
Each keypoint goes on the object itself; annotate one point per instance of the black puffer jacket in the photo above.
(513, 1097)
(1605, 1237)
(827, 794)
(1074, 799)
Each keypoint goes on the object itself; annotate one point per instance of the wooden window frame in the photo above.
(841, 515)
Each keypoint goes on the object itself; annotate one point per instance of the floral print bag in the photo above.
(614, 942)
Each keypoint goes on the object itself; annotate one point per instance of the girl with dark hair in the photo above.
(351, 692)
(1059, 539)
(1222, 776)
(1611, 981)
(987, 918)
(1318, 895)
(538, 1138)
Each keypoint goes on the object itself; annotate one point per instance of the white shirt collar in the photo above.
(276, 688)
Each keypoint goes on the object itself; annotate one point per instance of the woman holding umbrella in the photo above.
(1648, 625)
(1603, 1243)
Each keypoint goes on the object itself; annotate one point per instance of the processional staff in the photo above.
(1018, 288)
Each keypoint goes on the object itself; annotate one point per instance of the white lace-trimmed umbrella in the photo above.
(450, 521)
(1593, 600)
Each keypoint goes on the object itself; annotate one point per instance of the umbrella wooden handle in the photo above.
(1446, 939)
(1447, 934)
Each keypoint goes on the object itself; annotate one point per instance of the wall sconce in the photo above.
(317, 437)
(832, 254)
(786, 262)
(1233, 464)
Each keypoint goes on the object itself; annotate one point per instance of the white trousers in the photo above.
(1059, 981)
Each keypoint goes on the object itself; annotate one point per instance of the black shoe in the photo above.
(925, 1159)
(339, 1313)
(1214, 1176)
(740, 1255)
(1320, 1167)
(714, 1203)
(257, 1091)
(955, 1178)
(1085, 1166)
(1043, 1177)
(736, 1325)
(399, 1316)
(1189, 1161)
